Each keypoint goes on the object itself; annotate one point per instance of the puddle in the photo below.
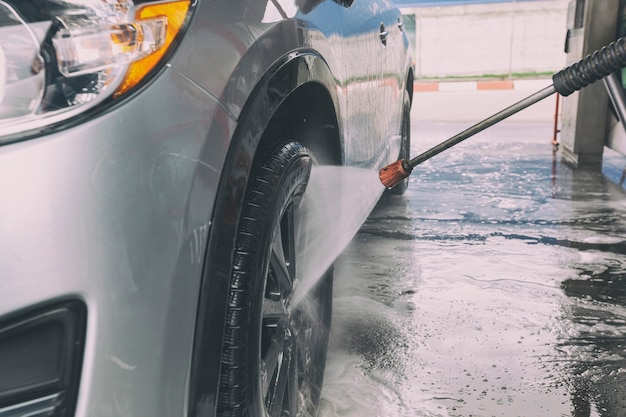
(494, 288)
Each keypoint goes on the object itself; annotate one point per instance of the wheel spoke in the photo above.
(280, 379)
(278, 265)
(305, 350)
(271, 360)
(288, 234)
(303, 343)
(293, 386)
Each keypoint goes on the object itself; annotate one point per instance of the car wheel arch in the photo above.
(292, 81)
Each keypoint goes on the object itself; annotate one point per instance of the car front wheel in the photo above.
(273, 352)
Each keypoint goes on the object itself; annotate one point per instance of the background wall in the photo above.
(503, 39)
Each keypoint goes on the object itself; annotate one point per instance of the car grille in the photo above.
(40, 361)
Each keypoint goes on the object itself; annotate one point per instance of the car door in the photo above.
(391, 67)
(360, 48)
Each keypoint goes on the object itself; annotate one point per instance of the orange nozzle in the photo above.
(392, 174)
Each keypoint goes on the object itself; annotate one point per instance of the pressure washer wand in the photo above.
(592, 68)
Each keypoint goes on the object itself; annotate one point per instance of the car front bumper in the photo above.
(115, 212)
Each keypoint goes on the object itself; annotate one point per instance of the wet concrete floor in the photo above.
(495, 287)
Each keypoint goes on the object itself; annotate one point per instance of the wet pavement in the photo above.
(494, 287)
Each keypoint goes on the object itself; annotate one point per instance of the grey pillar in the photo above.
(591, 25)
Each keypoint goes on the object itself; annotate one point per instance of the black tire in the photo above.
(273, 353)
(405, 144)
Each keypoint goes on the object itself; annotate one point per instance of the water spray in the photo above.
(592, 68)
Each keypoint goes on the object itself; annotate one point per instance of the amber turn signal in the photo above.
(175, 12)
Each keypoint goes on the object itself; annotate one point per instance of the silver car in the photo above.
(153, 157)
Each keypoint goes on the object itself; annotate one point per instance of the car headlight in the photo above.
(60, 57)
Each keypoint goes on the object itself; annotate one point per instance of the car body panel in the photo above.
(251, 47)
(129, 210)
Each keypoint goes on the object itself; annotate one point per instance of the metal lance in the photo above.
(590, 69)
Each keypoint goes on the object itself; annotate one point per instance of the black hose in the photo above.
(592, 68)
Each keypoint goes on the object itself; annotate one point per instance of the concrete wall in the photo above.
(499, 38)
